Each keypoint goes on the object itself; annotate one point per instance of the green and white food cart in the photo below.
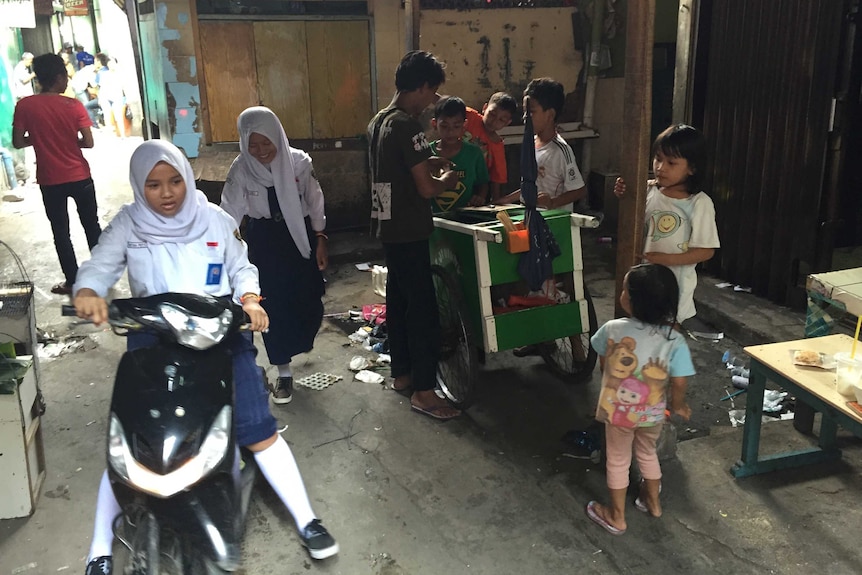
(475, 276)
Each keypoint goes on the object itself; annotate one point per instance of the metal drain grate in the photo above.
(318, 380)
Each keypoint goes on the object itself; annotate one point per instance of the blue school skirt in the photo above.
(291, 285)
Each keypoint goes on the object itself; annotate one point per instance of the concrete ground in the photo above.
(490, 493)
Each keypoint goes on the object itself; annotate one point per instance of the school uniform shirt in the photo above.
(493, 152)
(472, 171)
(558, 170)
(672, 227)
(640, 359)
(243, 196)
(216, 263)
(396, 144)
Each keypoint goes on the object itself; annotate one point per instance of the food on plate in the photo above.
(807, 357)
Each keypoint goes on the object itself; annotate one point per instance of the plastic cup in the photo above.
(848, 372)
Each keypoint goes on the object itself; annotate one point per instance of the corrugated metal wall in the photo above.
(771, 71)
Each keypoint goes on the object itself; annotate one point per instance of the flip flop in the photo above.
(601, 522)
(640, 505)
(432, 411)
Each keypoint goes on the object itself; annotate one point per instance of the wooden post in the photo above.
(635, 148)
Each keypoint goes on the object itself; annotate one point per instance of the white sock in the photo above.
(277, 464)
(284, 370)
(107, 509)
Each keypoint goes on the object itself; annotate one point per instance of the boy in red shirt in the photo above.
(481, 129)
(58, 127)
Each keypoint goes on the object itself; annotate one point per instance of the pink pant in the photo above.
(619, 441)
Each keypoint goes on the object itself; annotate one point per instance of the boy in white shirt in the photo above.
(559, 180)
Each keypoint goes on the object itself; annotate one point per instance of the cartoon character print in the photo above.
(620, 363)
(664, 224)
(655, 374)
(631, 396)
(631, 402)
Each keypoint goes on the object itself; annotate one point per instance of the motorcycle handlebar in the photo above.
(69, 310)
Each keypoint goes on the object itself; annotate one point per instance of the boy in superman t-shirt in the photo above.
(468, 161)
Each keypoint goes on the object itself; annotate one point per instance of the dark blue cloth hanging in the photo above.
(535, 265)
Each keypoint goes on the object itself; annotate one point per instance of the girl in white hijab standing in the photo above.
(275, 186)
(172, 239)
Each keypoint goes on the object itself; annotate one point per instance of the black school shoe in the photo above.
(283, 390)
(318, 541)
(100, 566)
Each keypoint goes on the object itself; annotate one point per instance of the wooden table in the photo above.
(814, 386)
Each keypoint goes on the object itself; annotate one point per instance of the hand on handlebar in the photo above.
(89, 305)
(257, 316)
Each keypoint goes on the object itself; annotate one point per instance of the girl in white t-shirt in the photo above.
(680, 230)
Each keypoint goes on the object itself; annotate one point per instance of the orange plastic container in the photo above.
(518, 241)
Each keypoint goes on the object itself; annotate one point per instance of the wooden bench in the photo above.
(568, 130)
(815, 386)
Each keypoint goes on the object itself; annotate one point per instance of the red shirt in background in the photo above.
(494, 152)
(52, 122)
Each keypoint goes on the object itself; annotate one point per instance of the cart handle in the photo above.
(582, 221)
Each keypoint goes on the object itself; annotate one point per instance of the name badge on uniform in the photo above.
(214, 274)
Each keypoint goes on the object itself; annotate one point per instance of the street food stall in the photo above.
(486, 306)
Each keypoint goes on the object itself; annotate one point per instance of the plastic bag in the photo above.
(665, 447)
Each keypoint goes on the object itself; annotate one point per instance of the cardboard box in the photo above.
(843, 286)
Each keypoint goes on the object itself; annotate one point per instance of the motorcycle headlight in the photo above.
(194, 331)
(212, 452)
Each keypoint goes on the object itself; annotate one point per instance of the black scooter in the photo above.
(182, 484)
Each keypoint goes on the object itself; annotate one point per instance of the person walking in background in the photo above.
(642, 359)
(275, 186)
(402, 184)
(112, 98)
(22, 77)
(680, 218)
(58, 127)
(83, 58)
(84, 85)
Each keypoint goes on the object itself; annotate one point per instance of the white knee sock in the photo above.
(107, 509)
(277, 464)
(284, 370)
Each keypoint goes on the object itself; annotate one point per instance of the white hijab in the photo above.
(279, 173)
(192, 219)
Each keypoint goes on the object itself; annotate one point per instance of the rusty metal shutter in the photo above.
(770, 78)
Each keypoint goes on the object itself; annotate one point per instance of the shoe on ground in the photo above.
(283, 390)
(62, 289)
(100, 566)
(526, 350)
(318, 541)
(13, 197)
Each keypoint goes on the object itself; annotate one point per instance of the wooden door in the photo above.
(282, 74)
(339, 78)
(230, 72)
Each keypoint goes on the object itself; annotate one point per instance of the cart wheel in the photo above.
(573, 357)
(457, 367)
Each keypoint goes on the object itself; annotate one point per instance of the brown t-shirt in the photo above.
(396, 144)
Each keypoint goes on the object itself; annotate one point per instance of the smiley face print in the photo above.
(664, 224)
